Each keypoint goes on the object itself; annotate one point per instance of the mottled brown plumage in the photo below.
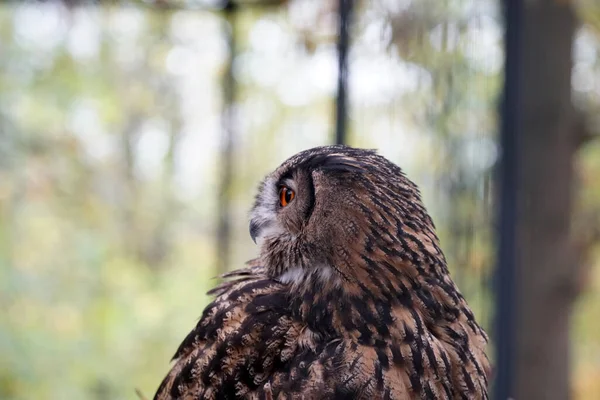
(349, 298)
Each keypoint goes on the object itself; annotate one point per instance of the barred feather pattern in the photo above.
(351, 299)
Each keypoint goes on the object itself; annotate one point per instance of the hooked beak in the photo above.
(255, 228)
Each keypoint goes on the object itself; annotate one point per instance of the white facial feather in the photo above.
(273, 229)
(264, 213)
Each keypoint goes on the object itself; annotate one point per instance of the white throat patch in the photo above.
(298, 275)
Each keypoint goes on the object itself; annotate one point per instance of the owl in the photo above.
(349, 297)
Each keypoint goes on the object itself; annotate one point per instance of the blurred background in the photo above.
(133, 136)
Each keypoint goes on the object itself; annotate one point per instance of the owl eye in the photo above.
(286, 195)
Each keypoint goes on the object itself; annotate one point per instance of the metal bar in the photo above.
(505, 320)
(344, 12)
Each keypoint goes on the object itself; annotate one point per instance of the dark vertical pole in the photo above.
(505, 322)
(344, 12)
(227, 144)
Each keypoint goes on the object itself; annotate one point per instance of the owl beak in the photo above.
(254, 229)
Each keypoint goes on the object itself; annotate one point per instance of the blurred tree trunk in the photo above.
(547, 274)
(227, 145)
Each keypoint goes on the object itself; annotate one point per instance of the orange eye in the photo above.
(286, 195)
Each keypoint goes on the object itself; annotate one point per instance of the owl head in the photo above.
(337, 216)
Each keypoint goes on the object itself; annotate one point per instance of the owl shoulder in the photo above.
(245, 334)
